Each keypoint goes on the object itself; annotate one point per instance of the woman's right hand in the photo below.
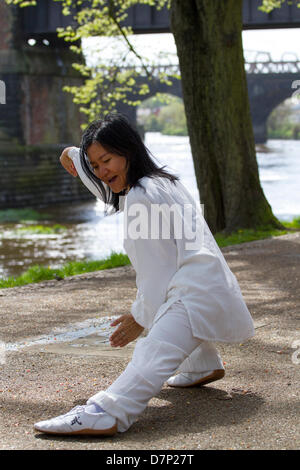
(67, 163)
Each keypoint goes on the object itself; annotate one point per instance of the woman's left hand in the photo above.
(128, 331)
(67, 163)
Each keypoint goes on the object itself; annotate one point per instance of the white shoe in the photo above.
(79, 421)
(189, 379)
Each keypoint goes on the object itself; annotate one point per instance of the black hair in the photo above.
(118, 136)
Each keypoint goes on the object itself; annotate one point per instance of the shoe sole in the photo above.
(84, 432)
(216, 375)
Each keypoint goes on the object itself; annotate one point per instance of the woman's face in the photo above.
(109, 167)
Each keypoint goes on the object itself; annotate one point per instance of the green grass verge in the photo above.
(295, 224)
(249, 235)
(41, 273)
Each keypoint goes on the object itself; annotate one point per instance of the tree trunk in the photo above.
(208, 36)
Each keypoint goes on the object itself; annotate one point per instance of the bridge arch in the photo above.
(163, 114)
(155, 87)
(284, 121)
(266, 92)
(269, 84)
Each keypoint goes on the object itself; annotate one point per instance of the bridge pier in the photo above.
(37, 118)
(260, 132)
(129, 111)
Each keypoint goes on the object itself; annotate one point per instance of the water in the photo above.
(89, 235)
(279, 171)
(70, 333)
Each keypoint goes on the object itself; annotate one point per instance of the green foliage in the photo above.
(22, 3)
(20, 215)
(295, 224)
(40, 230)
(165, 114)
(268, 5)
(107, 82)
(156, 101)
(282, 124)
(172, 118)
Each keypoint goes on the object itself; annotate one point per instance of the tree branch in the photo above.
(130, 46)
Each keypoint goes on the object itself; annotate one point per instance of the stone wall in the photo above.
(34, 177)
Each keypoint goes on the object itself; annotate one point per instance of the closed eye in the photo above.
(106, 161)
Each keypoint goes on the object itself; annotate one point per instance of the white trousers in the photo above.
(168, 347)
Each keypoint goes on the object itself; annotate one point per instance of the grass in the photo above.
(249, 235)
(40, 230)
(21, 215)
(41, 273)
(295, 224)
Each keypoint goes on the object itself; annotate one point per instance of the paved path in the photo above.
(256, 405)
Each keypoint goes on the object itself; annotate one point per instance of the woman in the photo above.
(187, 297)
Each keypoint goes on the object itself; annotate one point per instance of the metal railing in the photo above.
(272, 67)
(257, 67)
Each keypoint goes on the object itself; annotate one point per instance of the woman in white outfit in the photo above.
(187, 297)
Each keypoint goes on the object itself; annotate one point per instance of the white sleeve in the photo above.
(154, 261)
(74, 154)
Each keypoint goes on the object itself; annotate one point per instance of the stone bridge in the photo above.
(37, 118)
(269, 84)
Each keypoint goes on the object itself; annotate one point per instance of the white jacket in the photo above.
(178, 266)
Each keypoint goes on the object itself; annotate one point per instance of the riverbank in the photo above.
(253, 407)
(88, 235)
(39, 273)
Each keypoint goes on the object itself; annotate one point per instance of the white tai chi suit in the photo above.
(187, 296)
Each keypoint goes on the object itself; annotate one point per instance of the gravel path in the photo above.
(256, 405)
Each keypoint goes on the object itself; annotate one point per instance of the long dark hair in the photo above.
(116, 135)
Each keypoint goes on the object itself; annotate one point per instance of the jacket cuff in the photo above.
(73, 152)
(137, 310)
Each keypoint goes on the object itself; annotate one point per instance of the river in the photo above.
(89, 235)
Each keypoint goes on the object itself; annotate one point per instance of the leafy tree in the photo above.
(107, 80)
(268, 5)
(283, 122)
(208, 36)
(209, 46)
(163, 115)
